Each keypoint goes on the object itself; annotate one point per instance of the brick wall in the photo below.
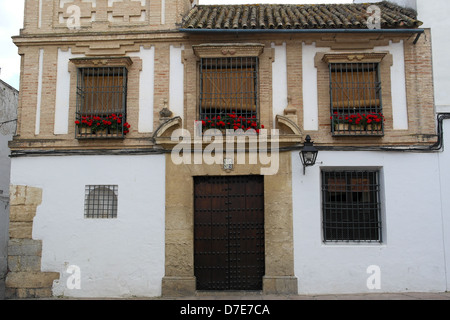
(418, 67)
(56, 16)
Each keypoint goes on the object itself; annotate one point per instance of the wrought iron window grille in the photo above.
(229, 93)
(356, 99)
(101, 201)
(351, 206)
(101, 102)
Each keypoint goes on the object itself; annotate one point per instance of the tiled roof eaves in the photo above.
(285, 17)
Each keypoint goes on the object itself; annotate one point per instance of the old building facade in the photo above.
(9, 97)
(123, 184)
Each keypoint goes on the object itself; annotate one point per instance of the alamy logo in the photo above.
(260, 147)
(374, 21)
(74, 280)
(74, 20)
(374, 280)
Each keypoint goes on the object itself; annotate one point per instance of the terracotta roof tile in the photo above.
(279, 16)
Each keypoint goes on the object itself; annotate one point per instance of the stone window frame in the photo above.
(102, 62)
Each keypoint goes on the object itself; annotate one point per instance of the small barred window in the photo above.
(351, 206)
(101, 202)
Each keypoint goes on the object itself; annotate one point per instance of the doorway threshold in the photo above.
(229, 293)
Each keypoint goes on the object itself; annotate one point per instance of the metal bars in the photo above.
(351, 206)
(101, 102)
(356, 99)
(100, 202)
(228, 89)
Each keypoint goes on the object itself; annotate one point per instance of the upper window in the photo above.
(355, 95)
(229, 92)
(351, 206)
(229, 85)
(101, 100)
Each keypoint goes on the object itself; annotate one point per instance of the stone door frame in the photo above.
(179, 279)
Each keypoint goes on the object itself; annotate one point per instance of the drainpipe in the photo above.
(438, 146)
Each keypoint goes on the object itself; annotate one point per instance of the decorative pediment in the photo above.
(359, 57)
(102, 62)
(217, 50)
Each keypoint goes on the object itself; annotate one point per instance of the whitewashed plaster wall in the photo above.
(411, 256)
(118, 257)
(444, 183)
(176, 86)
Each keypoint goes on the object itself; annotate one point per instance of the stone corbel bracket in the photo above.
(290, 132)
(162, 135)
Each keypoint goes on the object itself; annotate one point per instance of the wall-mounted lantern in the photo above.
(308, 155)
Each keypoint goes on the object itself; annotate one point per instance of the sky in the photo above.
(11, 21)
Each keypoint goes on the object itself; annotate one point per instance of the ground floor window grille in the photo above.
(229, 93)
(355, 98)
(101, 102)
(351, 206)
(101, 201)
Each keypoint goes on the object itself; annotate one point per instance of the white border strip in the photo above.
(39, 93)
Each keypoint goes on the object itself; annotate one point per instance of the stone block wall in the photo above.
(25, 278)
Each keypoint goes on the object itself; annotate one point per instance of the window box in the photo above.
(110, 126)
(370, 124)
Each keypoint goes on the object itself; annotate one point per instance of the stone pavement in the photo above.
(362, 296)
(251, 296)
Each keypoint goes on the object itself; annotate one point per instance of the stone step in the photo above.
(30, 280)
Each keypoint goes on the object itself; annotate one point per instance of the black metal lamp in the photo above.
(308, 155)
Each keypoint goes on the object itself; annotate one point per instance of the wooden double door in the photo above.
(229, 232)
